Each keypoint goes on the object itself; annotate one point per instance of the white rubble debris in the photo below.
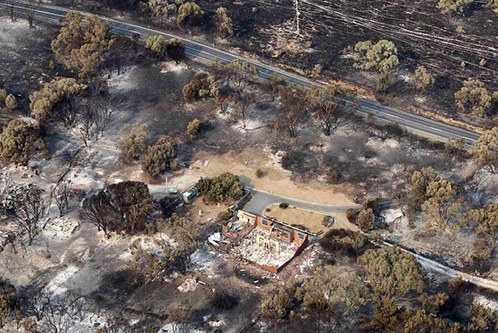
(217, 323)
(308, 263)
(215, 239)
(486, 302)
(189, 285)
(250, 250)
(61, 228)
(178, 328)
(394, 216)
(56, 284)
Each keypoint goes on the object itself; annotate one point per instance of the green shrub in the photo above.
(158, 157)
(350, 214)
(366, 219)
(224, 216)
(134, 142)
(223, 188)
(193, 128)
(19, 141)
(331, 176)
(3, 96)
(260, 173)
(201, 86)
(11, 102)
(277, 306)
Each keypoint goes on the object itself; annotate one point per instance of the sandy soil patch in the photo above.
(276, 181)
(299, 217)
(203, 213)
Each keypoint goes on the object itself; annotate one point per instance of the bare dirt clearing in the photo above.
(277, 181)
(312, 221)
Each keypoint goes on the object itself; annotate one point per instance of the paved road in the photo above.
(260, 200)
(205, 53)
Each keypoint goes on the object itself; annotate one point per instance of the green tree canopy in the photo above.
(485, 149)
(423, 79)
(53, 92)
(11, 102)
(380, 57)
(163, 8)
(156, 44)
(189, 11)
(134, 142)
(493, 4)
(392, 272)
(158, 157)
(331, 287)
(420, 181)
(223, 22)
(202, 85)
(82, 43)
(240, 74)
(441, 203)
(193, 128)
(329, 105)
(473, 98)
(484, 220)
(274, 83)
(452, 6)
(3, 95)
(19, 141)
(222, 188)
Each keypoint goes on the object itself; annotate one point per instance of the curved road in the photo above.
(204, 53)
(261, 199)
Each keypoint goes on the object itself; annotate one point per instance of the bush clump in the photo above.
(283, 205)
(223, 188)
(134, 142)
(3, 96)
(260, 173)
(331, 177)
(19, 141)
(11, 102)
(158, 157)
(202, 85)
(194, 128)
(224, 216)
(350, 214)
(365, 220)
(278, 305)
(345, 242)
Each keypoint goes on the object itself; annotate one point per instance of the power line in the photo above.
(298, 29)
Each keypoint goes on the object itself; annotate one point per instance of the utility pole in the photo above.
(298, 13)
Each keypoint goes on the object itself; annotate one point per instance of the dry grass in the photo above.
(349, 86)
(446, 120)
(296, 216)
